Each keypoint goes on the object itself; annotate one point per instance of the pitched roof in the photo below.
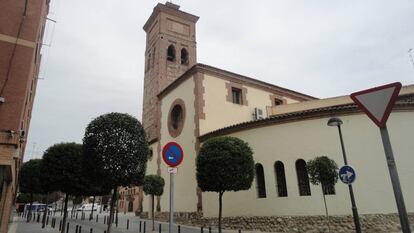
(237, 77)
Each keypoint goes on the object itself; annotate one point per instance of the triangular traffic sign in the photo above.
(377, 102)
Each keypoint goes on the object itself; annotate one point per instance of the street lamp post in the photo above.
(334, 121)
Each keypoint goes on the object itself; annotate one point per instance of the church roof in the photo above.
(237, 78)
(404, 102)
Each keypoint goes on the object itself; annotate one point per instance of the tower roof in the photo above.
(171, 9)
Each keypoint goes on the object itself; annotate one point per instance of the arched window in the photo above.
(184, 56)
(260, 181)
(303, 179)
(280, 179)
(171, 53)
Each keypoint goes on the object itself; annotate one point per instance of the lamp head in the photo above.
(334, 121)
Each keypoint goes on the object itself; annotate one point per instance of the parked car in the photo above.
(88, 207)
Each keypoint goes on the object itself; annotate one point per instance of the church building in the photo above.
(188, 103)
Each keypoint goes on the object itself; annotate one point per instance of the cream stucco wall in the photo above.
(310, 138)
(221, 113)
(151, 169)
(185, 182)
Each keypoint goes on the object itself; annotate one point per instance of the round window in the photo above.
(176, 118)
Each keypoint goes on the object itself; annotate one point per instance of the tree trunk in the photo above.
(111, 211)
(220, 210)
(29, 215)
(152, 212)
(93, 204)
(45, 212)
(326, 209)
(65, 213)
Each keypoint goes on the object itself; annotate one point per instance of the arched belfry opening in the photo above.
(171, 53)
(184, 56)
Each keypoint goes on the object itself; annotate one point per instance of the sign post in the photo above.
(377, 103)
(173, 155)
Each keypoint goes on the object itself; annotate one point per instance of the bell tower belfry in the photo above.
(170, 51)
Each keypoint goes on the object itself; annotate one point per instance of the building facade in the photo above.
(22, 25)
(284, 128)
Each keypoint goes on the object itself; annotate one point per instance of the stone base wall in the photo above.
(371, 223)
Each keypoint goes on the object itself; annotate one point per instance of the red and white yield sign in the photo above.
(377, 102)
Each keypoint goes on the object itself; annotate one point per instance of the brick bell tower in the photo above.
(170, 51)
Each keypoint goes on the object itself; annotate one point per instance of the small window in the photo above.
(328, 190)
(303, 178)
(260, 181)
(280, 179)
(176, 118)
(236, 95)
(150, 154)
(148, 62)
(184, 56)
(278, 102)
(171, 53)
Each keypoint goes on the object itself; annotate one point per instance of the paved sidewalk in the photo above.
(21, 226)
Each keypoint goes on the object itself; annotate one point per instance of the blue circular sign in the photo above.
(172, 154)
(347, 174)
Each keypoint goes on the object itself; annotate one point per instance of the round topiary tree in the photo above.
(30, 181)
(324, 171)
(117, 145)
(154, 186)
(224, 164)
(62, 169)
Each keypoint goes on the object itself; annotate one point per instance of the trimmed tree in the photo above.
(30, 180)
(63, 165)
(323, 170)
(154, 186)
(118, 146)
(224, 164)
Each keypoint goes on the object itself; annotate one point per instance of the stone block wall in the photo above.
(371, 223)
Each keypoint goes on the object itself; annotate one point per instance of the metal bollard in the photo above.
(104, 231)
(159, 228)
(127, 224)
(239, 231)
(60, 225)
(144, 226)
(80, 229)
(209, 229)
(179, 229)
(104, 219)
(77, 228)
(67, 228)
(202, 229)
(91, 231)
(140, 226)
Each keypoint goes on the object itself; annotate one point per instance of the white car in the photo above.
(88, 207)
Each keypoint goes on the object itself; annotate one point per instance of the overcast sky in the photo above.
(322, 48)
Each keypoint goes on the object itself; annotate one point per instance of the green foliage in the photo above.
(62, 166)
(153, 185)
(117, 146)
(322, 170)
(77, 200)
(25, 198)
(225, 164)
(30, 177)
